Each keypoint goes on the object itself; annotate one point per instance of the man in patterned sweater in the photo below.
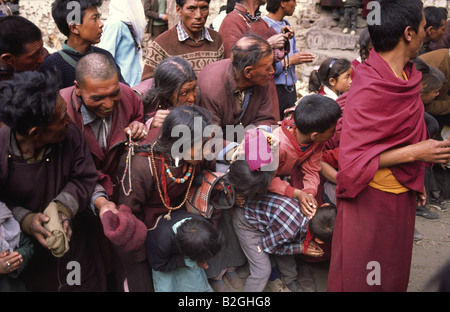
(189, 39)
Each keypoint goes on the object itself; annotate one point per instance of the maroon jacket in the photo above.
(217, 95)
(129, 109)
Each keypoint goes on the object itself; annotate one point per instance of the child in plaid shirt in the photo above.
(272, 216)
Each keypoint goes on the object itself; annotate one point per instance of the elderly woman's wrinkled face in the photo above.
(186, 95)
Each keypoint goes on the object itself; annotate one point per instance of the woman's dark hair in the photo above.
(198, 239)
(62, 10)
(169, 77)
(330, 68)
(322, 224)
(365, 44)
(249, 184)
(194, 117)
(432, 78)
(435, 16)
(15, 33)
(316, 113)
(395, 16)
(28, 100)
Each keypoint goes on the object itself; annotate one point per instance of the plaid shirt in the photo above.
(280, 220)
(183, 35)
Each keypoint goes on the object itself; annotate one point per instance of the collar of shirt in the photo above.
(66, 48)
(242, 9)
(183, 35)
(86, 114)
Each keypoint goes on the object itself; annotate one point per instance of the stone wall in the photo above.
(316, 31)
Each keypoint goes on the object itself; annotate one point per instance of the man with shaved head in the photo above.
(108, 113)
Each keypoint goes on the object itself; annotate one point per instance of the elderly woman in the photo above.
(174, 83)
(47, 176)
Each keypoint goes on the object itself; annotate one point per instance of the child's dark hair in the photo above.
(62, 10)
(322, 224)
(330, 68)
(198, 239)
(432, 78)
(316, 113)
(249, 184)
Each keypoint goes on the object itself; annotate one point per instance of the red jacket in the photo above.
(129, 109)
(305, 165)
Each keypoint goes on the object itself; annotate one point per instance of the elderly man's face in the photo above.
(31, 59)
(100, 96)
(193, 16)
(55, 132)
(262, 71)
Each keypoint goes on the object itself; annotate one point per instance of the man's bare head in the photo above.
(96, 66)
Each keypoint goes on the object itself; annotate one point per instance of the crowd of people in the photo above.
(170, 174)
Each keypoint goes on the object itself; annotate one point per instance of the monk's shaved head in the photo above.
(95, 66)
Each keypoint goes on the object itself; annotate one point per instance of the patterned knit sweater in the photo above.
(199, 54)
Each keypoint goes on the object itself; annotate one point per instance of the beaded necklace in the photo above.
(165, 199)
(131, 145)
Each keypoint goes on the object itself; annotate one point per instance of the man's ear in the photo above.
(314, 136)
(248, 72)
(429, 30)
(8, 59)
(178, 8)
(77, 88)
(408, 34)
(33, 132)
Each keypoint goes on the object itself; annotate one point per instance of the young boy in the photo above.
(81, 36)
(277, 223)
(301, 144)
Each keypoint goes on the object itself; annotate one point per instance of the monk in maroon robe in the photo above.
(383, 148)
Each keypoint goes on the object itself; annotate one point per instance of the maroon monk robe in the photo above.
(382, 112)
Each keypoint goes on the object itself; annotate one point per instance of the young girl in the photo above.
(332, 78)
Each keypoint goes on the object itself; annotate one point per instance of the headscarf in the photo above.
(9, 229)
(130, 12)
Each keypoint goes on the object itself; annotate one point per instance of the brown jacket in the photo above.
(217, 95)
(151, 8)
(441, 60)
